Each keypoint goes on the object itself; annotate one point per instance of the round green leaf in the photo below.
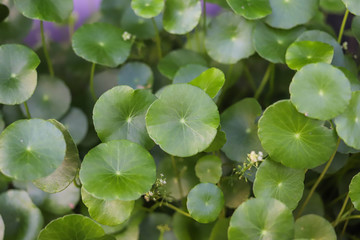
(235, 191)
(118, 170)
(4, 13)
(355, 27)
(72, 227)
(354, 191)
(209, 169)
(76, 123)
(205, 202)
(251, 9)
(18, 75)
(141, 28)
(279, 182)
(271, 43)
(239, 124)
(314, 227)
(147, 8)
(45, 10)
(183, 121)
(120, 114)
(107, 212)
(51, 99)
(229, 38)
(187, 73)
(136, 75)
(66, 172)
(23, 220)
(261, 219)
(293, 139)
(348, 124)
(181, 17)
(171, 63)
(353, 6)
(319, 36)
(186, 228)
(324, 85)
(302, 53)
(102, 43)
(31, 149)
(219, 231)
(211, 81)
(287, 14)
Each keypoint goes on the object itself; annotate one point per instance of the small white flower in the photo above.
(151, 193)
(126, 36)
(345, 45)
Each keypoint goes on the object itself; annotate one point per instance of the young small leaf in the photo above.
(305, 52)
(205, 202)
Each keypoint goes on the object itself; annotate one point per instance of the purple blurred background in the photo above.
(83, 9)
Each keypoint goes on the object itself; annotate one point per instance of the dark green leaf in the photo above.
(102, 43)
(136, 75)
(46, 10)
(271, 43)
(239, 124)
(251, 9)
(4, 12)
(187, 73)
(235, 191)
(147, 8)
(71, 227)
(171, 63)
(76, 123)
(293, 139)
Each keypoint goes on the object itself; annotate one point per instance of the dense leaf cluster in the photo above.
(191, 126)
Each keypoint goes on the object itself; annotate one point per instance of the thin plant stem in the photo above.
(177, 176)
(92, 89)
(204, 15)
(46, 53)
(342, 210)
(344, 228)
(157, 38)
(341, 32)
(27, 110)
(249, 77)
(318, 180)
(264, 80)
(349, 218)
(169, 205)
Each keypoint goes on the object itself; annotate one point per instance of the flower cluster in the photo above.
(158, 190)
(253, 160)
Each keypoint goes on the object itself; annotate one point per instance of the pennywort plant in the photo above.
(159, 120)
